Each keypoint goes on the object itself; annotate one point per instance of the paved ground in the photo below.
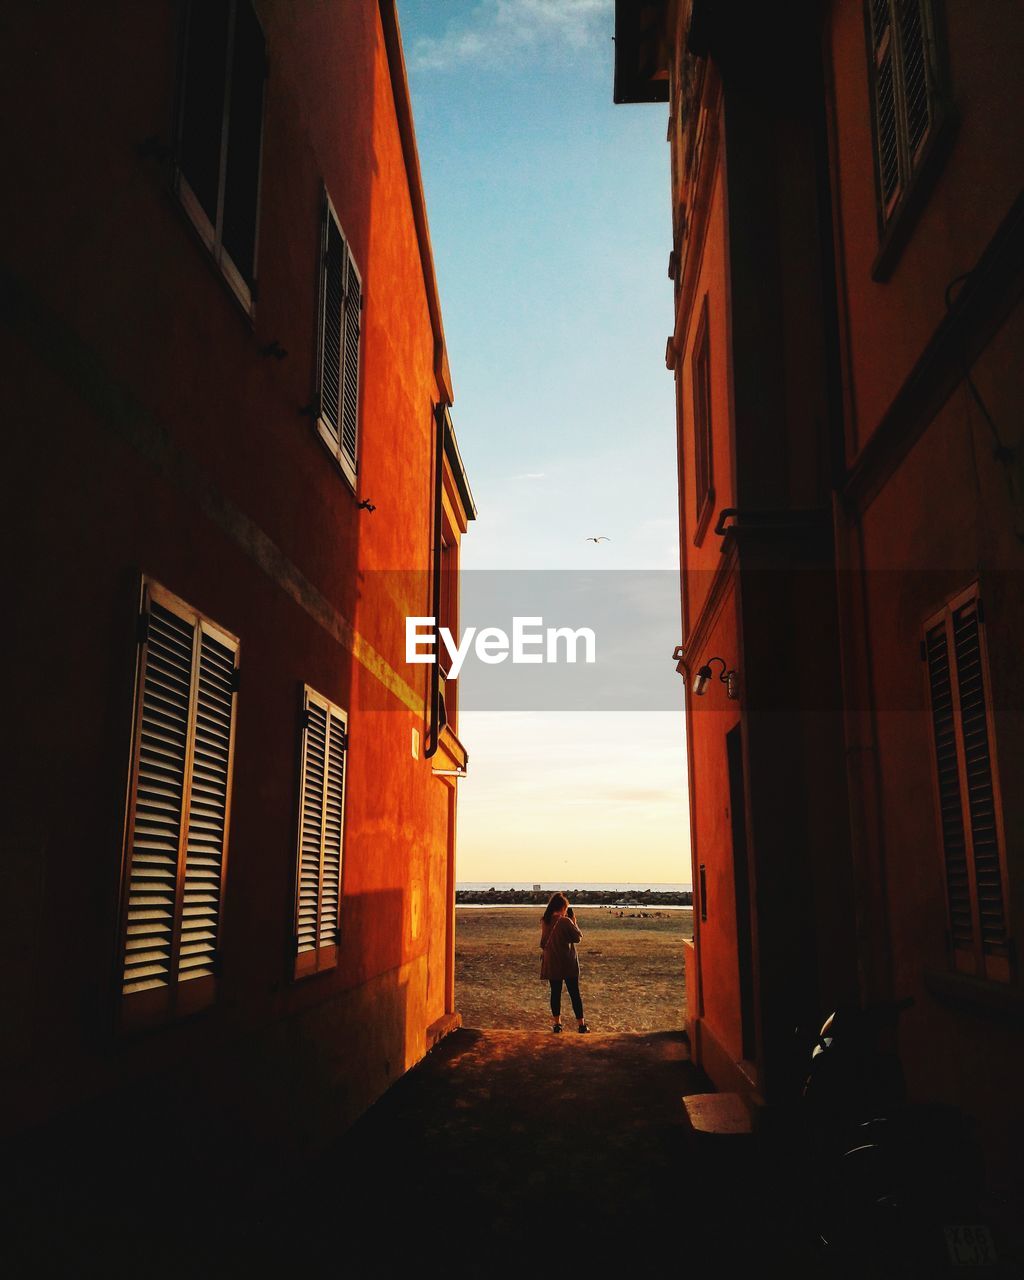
(503, 1153)
(520, 1152)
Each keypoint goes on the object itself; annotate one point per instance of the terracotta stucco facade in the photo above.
(160, 431)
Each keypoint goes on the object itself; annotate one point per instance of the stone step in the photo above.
(721, 1114)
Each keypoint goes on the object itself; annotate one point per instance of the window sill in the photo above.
(1001, 1000)
(904, 217)
(323, 959)
(161, 1007)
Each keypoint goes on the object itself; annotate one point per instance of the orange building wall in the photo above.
(150, 435)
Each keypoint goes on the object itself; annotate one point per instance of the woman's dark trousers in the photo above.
(572, 985)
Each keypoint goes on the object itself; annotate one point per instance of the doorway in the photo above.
(741, 880)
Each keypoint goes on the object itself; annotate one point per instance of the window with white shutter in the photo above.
(321, 834)
(339, 328)
(220, 132)
(906, 93)
(176, 830)
(967, 788)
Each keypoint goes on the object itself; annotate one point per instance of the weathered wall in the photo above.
(933, 511)
(916, 564)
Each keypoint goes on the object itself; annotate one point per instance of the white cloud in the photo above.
(530, 475)
(498, 28)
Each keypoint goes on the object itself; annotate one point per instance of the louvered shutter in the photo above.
(887, 121)
(904, 92)
(700, 373)
(321, 834)
(353, 325)
(159, 788)
(178, 809)
(958, 889)
(338, 347)
(969, 807)
(334, 823)
(332, 317)
(915, 75)
(312, 827)
(205, 845)
(981, 800)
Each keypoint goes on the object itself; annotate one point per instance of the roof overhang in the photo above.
(641, 51)
(407, 133)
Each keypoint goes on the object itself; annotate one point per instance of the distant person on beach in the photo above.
(559, 934)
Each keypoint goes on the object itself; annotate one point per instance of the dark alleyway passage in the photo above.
(510, 1152)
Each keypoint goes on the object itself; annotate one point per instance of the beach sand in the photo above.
(631, 969)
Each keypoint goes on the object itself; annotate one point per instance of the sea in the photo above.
(549, 886)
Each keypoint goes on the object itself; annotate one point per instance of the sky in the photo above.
(550, 221)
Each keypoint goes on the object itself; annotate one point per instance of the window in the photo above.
(220, 130)
(340, 306)
(700, 379)
(321, 834)
(178, 808)
(969, 809)
(905, 80)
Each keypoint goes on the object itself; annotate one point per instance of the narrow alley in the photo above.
(734, 303)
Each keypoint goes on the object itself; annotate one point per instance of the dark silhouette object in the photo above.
(153, 148)
(886, 1176)
(274, 349)
(367, 505)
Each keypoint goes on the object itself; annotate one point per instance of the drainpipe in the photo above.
(434, 725)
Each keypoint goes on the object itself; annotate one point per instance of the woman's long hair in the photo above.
(558, 902)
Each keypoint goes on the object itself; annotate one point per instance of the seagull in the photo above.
(602, 538)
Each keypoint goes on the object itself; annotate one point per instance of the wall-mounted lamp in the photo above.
(704, 676)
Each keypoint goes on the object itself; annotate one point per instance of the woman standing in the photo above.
(559, 934)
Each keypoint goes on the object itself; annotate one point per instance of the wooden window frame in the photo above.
(322, 957)
(917, 171)
(333, 435)
(975, 959)
(211, 233)
(703, 450)
(177, 998)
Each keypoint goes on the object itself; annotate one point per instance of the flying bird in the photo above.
(602, 538)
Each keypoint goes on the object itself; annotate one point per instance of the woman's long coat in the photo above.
(559, 940)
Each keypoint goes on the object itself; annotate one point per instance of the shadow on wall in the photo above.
(109, 1181)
